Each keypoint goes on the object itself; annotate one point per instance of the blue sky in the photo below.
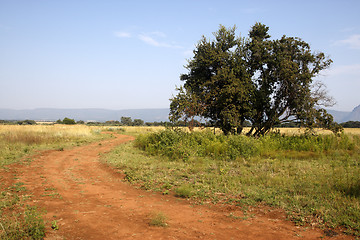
(130, 54)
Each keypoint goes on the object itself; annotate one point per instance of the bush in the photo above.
(68, 121)
(179, 145)
(26, 122)
(184, 191)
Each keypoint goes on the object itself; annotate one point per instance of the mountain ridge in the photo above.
(355, 114)
(102, 114)
(341, 116)
(85, 114)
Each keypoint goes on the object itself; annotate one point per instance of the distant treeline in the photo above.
(351, 124)
(127, 121)
(16, 122)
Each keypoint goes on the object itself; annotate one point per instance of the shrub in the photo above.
(158, 220)
(68, 121)
(26, 122)
(179, 145)
(184, 191)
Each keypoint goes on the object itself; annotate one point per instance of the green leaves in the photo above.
(264, 81)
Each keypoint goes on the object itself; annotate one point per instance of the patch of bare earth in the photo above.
(89, 200)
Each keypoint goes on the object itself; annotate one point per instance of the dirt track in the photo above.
(89, 200)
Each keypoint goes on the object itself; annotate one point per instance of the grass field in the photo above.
(18, 141)
(315, 179)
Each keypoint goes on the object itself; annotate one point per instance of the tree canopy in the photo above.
(233, 79)
(67, 121)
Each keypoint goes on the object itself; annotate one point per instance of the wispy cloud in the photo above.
(122, 34)
(150, 39)
(158, 34)
(353, 41)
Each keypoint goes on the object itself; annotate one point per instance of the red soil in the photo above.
(90, 200)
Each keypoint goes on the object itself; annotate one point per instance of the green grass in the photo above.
(184, 191)
(180, 145)
(316, 179)
(18, 220)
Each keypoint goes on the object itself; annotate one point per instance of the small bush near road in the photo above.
(158, 219)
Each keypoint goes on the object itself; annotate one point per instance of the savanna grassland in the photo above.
(18, 219)
(315, 178)
(17, 141)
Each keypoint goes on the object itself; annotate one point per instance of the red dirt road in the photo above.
(90, 200)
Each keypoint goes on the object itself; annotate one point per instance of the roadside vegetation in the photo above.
(314, 178)
(18, 219)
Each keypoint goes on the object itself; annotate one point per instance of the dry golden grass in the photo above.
(40, 133)
(51, 129)
(286, 131)
(19, 140)
(353, 131)
(296, 131)
(133, 130)
(45, 123)
(83, 131)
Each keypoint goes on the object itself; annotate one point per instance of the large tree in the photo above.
(216, 86)
(267, 82)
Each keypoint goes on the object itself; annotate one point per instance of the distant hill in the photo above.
(101, 115)
(354, 115)
(341, 117)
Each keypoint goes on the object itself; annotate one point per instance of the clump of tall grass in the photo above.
(182, 145)
(158, 219)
